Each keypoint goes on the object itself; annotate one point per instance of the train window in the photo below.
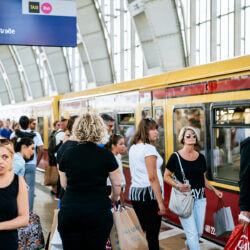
(231, 125)
(146, 113)
(160, 142)
(126, 127)
(40, 126)
(189, 116)
(232, 115)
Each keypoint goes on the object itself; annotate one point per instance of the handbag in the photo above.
(223, 220)
(126, 232)
(50, 176)
(179, 203)
(31, 237)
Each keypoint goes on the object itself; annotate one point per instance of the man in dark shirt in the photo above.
(244, 183)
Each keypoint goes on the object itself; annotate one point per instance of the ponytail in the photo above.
(18, 142)
(113, 140)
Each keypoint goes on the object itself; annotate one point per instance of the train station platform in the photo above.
(171, 237)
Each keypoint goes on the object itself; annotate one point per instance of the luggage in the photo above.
(223, 220)
(126, 232)
(31, 237)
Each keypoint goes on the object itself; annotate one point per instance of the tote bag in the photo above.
(179, 203)
(50, 176)
(223, 220)
(126, 232)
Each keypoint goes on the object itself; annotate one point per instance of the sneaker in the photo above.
(57, 198)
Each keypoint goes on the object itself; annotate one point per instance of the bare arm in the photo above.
(154, 181)
(63, 179)
(115, 179)
(39, 154)
(212, 188)
(22, 218)
(168, 179)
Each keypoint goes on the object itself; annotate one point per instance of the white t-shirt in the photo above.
(137, 164)
(60, 134)
(37, 140)
(123, 180)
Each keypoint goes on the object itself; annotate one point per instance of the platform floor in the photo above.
(171, 237)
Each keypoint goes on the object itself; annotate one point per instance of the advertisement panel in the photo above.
(38, 22)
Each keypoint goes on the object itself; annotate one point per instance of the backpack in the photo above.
(22, 134)
(52, 147)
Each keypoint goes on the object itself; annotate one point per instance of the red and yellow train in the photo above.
(214, 98)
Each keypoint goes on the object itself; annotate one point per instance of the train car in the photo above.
(214, 98)
(44, 110)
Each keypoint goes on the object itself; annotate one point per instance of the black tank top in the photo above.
(8, 211)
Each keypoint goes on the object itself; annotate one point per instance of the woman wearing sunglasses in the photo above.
(194, 167)
(14, 206)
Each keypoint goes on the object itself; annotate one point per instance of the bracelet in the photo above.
(243, 217)
(177, 186)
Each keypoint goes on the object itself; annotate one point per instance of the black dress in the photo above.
(8, 211)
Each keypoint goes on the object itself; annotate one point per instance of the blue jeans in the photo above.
(30, 178)
(194, 224)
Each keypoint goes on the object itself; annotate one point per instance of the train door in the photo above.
(160, 118)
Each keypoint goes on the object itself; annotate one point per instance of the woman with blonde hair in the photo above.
(146, 190)
(14, 206)
(194, 167)
(85, 219)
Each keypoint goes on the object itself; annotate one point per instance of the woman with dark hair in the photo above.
(24, 149)
(194, 167)
(117, 146)
(146, 190)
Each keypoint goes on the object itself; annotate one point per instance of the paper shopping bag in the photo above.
(223, 222)
(54, 226)
(50, 176)
(126, 232)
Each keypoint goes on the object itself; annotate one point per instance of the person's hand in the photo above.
(183, 188)
(218, 193)
(244, 219)
(162, 208)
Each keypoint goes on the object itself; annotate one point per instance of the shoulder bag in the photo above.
(179, 203)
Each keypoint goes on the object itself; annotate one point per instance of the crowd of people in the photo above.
(88, 156)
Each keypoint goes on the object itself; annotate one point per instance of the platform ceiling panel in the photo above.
(32, 71)
(159, 32)
(59, 68)
(95, 46)
(12, 72)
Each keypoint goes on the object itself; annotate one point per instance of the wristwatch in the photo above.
(177, 186)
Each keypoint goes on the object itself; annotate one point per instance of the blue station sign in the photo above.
(38, 22)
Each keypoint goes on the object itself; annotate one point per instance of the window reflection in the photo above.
(126, 127)
(226, 151)
(160, 142)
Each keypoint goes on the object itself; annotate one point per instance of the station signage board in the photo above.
(38, 22)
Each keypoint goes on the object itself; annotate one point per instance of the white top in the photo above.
(137, 164)
(37, 141)
(60, 134)
(123, 180)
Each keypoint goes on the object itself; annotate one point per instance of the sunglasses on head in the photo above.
(4, 141)
(190, 135)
